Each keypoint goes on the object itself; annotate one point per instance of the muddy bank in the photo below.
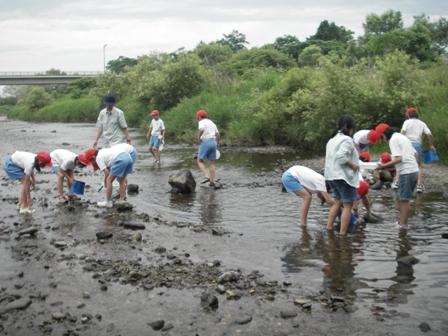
(218, 262)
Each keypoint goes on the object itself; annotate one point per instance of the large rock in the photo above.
(182, 182)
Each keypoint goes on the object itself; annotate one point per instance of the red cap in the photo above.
(155, 113)
(373, 136)
(201, 114)
(410, 110)
(380, 128)
(86, 157)
(363, 189)
(44, 159)
(364, 156)
(385, 157)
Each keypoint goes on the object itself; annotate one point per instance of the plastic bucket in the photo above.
(430, 156)
(78, 188)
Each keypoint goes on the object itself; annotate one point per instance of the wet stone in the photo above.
(243, 319)
(60, 244)
(85, 295)
(19, 304)
(104, 235)
(58, 316)
(182, 182)
(228, 277)
(134, 226)
(160, 249)
(408, 260)
(209, 301)
(30, 231)
(133, 189)
(157, 325)
(445, 235)
(123, 206)
(288, 313)
(167, 326)
(424, 327)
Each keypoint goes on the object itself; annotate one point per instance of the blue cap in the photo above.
(109, 100)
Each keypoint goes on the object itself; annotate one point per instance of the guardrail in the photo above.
(36, 73)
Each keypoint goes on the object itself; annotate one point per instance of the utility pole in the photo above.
(104, 57)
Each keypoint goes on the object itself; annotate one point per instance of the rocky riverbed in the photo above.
(217, 262)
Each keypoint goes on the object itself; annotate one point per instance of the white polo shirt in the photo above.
(361, 137)
(414, 129)
(400, 145)
(307, 177)
(209, 129)
(63, 158)
(157, 126)
(106, 156)
(24, 160)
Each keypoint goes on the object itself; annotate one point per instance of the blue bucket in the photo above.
(78, 187)
(430, 156)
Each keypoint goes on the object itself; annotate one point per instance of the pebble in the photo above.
(31, 231)
(157, 325)
(209, 301)
(134, 226)
(60, 244)
(408, 260)
(221, 289)
(103, 288)
(138, 236)
(167, 326)
(243, 319)
(288, 313)
(104, 235)
(424, 327)
(228, 277)
(160, 249)
(85, 295)
(58, 316)
(19, 304)
(445, 235)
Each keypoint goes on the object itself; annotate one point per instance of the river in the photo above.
(248, 225)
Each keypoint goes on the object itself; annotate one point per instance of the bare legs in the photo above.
(306, 196)
(345, 216)
(123, 181)
(209, 172)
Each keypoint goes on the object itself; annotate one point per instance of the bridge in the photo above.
(42, 78)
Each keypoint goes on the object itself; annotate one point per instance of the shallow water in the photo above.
(263, 230)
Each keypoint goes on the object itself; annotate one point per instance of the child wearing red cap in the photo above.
(303, 182)
(64, 163)
(208, 137)
(385, 175)
(155, 135)
(20, 166)
(414, 129)
(364, 138)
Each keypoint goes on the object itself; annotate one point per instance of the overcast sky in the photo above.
(70, 35)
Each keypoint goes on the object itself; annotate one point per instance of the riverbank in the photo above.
(156, 261)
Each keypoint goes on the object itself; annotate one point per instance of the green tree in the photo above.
(121, 64)
(310, 56)
(289, 45)
(331, 32)
(213, 53)
(235, 40)
(36, 98)
(380, 24)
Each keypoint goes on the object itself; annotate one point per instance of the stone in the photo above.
(445, 235)
(218, 232)
(228, 277)
(209, 301)
(80, 305)
(301, 302)
(134, 226)
(243, 319)
(167, 326)
(85, 295)
(424, 327)
(123, 206)
(19, 304)
(182, 182)
(133, 189)
(160, 249)
(60, 244)
(232, 295)
(58, 316)
(408, 260)
(157, 325)
(104, 235)
(288, 313)
(138, 236)
(221, 289)
(287, 283)
(31, 231)
(103, 288)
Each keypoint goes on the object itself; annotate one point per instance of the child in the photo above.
(403, 158)
(116, 162)
(208, 137)
(64, 163)
(363, 138)
(341, 170)
(157, 131)
(414, 129)
(20, 166)
(304, 181)
(386, 175)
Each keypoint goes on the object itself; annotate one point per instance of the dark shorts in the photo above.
(407, 184)
(342, 191)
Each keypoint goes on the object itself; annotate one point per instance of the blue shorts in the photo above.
(407, 183)
(290, 183)
(343, 192)
(418, 149)
(133, 155)
(122, 165)
(14, 171)
(154, 141)
(54, 169)
(207, 150)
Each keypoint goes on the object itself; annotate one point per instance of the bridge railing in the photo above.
(43, 74)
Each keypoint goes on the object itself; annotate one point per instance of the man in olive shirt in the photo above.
(111, 124)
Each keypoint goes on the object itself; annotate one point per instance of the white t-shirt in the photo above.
(157, 126)
(209, 129)
(414, 129)
(24, 160)
(63, 158)
(360, 137)
(106, 156)
(307, 177)
(400, 145)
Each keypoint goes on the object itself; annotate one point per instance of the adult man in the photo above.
(111, 124)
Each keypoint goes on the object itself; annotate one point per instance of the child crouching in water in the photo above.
(20, 166)
(303, 182)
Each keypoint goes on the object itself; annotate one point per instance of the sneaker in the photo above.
(205, 180)
(420, 188)
(105, 204)
(394, 185)
(26, 211)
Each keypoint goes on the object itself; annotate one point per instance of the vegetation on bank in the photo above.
(287, 92)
